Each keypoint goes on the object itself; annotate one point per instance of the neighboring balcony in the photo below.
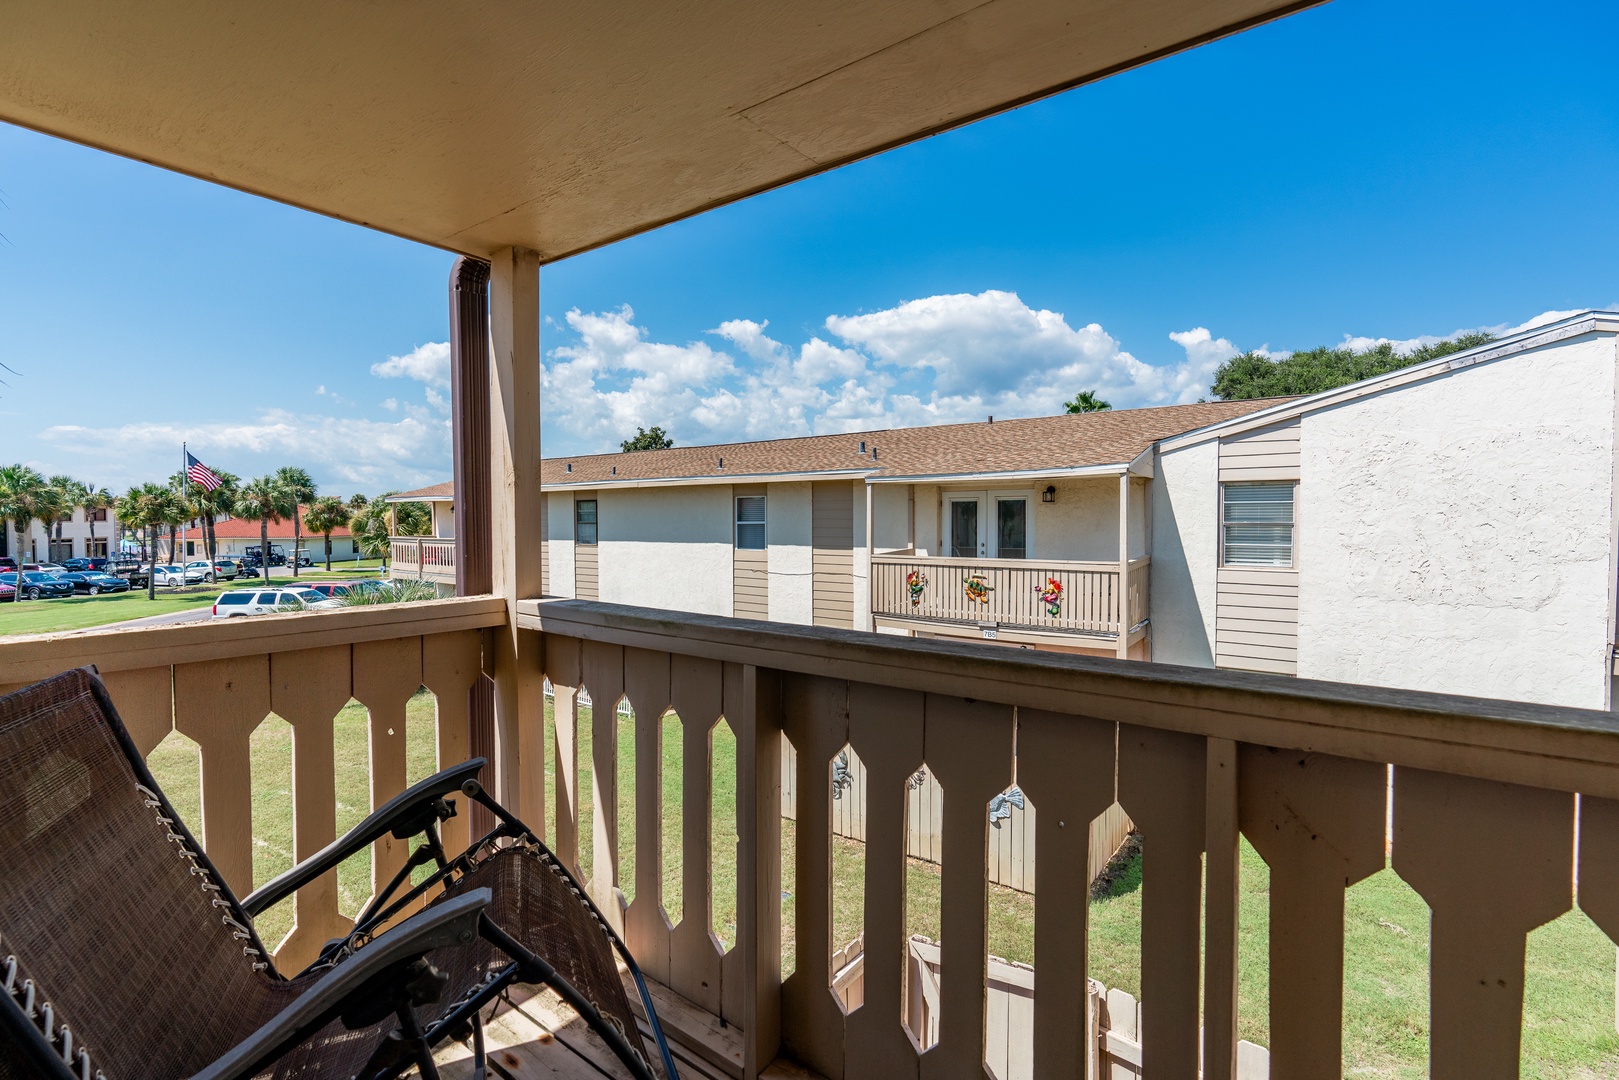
(1034, 601)
(422, 558)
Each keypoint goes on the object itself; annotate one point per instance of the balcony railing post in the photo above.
(514, 423)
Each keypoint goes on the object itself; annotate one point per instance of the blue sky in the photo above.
(1368, 169)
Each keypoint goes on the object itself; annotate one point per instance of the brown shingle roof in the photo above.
(1040, 443)
(431, 493)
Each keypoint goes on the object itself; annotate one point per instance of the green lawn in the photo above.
(1569, 1031)
(83, 612)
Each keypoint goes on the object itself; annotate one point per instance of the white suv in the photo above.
(240, 602)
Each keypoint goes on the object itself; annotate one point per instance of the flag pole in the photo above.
(185, 497)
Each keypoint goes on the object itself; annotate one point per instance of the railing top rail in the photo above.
(28, 659)
(1000, 564)
(1538, 745)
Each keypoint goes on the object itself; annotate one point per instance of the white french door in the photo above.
(988, 524)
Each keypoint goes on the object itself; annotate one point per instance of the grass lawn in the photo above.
(1569, 1031)
(83, 612)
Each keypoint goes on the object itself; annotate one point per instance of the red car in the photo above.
(7, 592)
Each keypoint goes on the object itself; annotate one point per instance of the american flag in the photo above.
(200, 474)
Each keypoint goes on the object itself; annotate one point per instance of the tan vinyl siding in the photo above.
(1256, 620)
(1270, 453)
(832, 528)
(545, 545)
(750, 569)
(585, 582)
(1256, 625)
(751, 585)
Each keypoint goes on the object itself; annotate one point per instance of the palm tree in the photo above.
(70, 495)
(300, 486)
(1087, 401)
(20, 490)
(325, 515)
(147, 507)
(216, 503)
(262, 500)
(95, 500)
(357, 501)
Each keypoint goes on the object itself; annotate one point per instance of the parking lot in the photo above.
(172, 603)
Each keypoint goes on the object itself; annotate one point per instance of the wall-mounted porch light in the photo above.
(1050, 494)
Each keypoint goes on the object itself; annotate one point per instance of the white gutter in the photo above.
(1023, 474)
(707, 481)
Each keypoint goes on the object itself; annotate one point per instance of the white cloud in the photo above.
(428, 364)
(348, 453)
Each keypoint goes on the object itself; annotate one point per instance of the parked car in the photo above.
(33, 585)
(7, 563)
(93, 584)
(218, 570)
(7, 592)
(336, 589)
(241, 602)
(95, 565)
(174, 576)
(52, 568)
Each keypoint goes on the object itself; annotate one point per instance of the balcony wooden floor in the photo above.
(536, 1035)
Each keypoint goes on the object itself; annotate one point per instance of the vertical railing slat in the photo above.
(604, 673)
(968, 747)
(1319, 823)
(753, 704)
(697, 690)
(217, 704)
(815, 717)
(1161, 786)
(646, 683)
(307, 689)
(145, 701)
(452, 664)
(386, 675)
(1065, 766)
(562, 660)
(1493, 861)
(886, 729)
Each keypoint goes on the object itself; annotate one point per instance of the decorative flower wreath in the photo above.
(1051, 596)
(977, 588)
(916, 581)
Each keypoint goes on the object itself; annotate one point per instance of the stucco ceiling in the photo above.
(549, 125)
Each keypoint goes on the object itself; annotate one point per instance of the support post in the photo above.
(871, 533)
(469, 392)
(1221, 892)
(1121, 596)
(759, 867)
(514, 420)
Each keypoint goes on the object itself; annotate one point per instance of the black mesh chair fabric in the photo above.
(109, 905)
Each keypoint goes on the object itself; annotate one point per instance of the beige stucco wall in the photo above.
(787, 531)
(892, 515)
(1185, 552)
(1454, 534)
(666, 548)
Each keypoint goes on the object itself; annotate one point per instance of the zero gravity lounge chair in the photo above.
(124, 955)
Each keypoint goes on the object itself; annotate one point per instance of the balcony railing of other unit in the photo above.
(1053, 596)
(424, 558)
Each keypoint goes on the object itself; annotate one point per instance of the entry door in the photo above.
(965, 526)
(1009, 537)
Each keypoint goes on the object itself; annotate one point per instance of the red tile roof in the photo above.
(243, 529)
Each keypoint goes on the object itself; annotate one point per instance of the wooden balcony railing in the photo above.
(423, 558)
(1497, 814)
(1079, 598)
(1483, 825)
(215, 683)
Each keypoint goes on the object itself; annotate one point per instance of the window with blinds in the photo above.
(750, 522)
(1256, 522)
(584, 521)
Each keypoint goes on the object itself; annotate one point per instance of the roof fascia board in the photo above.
(707, 481)
(419, 498)
(1142, 465)
(1025, 474)
(1574, 326)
